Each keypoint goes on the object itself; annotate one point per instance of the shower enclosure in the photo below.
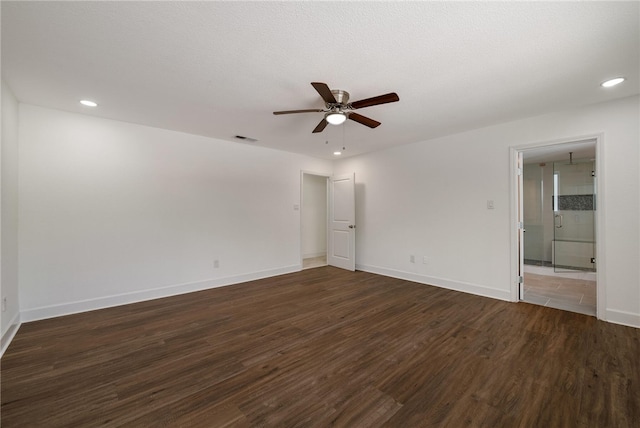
(559, 207)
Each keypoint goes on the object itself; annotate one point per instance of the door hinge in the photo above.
(520, 225)
(520, 280)
(519, 171)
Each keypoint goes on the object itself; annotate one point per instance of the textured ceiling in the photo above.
(220, 69)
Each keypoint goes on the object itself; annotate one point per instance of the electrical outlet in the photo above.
(425, 260)
(216, 264)
(412, 258)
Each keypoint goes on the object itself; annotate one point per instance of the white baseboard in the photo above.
(35, 314)
(465, 287)
(312, 255)
(8, 335)
(617, 317)
(623, 318)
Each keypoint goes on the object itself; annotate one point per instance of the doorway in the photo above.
(313, 219)
(557, 233)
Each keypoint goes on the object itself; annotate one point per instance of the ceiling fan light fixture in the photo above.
(336, 118)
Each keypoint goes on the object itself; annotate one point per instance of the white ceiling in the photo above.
(220, 69)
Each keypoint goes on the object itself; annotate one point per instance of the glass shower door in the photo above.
(574, 214)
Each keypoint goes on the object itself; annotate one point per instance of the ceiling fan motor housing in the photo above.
(342, 97)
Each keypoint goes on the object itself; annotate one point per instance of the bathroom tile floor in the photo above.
(575, 295)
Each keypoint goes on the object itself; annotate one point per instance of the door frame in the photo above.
(302, 225)
(600, 213)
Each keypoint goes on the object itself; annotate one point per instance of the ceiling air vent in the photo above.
(247, 139)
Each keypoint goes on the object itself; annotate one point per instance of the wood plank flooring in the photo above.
(323, 347)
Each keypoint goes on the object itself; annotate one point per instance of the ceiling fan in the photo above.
(338, 108)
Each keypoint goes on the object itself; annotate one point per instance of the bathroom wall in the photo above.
(575, 206)
(538, 213)
(574, 231)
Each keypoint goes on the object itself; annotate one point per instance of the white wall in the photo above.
(314, 215)
(430, 199)
(112, 212)
(9, 216)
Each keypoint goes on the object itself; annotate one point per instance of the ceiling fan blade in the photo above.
(324, 92)
(391, 97)
(314, 110)
(364, 120)
(321, 126)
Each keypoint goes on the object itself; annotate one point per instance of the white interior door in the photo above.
(520, 225)
(342, 225)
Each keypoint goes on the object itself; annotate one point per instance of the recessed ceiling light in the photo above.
(337, 153)
(89, 103)
(612, 82)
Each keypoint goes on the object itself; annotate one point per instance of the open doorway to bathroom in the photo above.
(558, 191)
(314, 220)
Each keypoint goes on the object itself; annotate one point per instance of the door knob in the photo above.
(352, 226)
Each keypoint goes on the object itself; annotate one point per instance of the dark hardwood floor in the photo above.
(323, 347)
